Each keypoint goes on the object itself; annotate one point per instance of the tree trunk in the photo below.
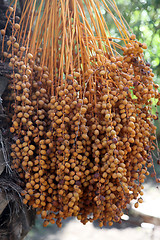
(15, 218)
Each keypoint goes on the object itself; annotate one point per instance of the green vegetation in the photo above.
(143, 17)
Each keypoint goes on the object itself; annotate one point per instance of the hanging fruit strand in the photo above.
(80, 110)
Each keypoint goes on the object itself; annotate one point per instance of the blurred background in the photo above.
(143, 17)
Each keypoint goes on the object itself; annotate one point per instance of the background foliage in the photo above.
(143, 16)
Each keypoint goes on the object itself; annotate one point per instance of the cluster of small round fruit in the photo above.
(85, 150)
(82, 144)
